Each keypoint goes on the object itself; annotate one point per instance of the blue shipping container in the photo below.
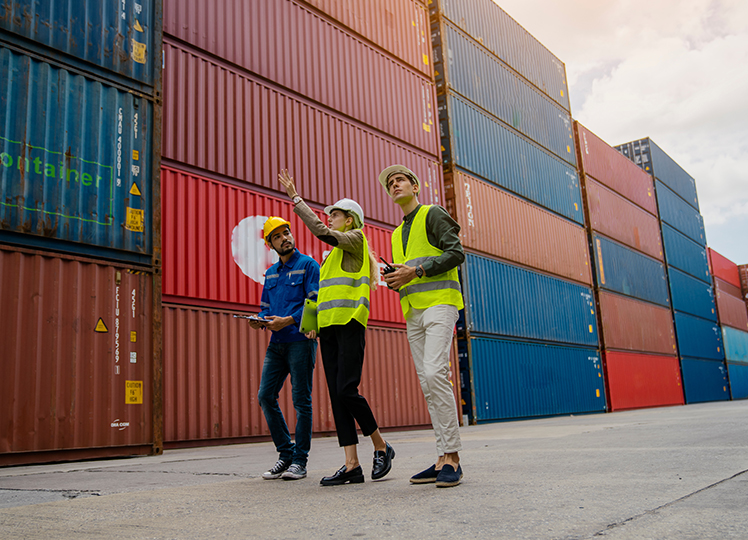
(677, 213)
(629, 272)
(684, 254)
(655, 161)
(704, 380)
(489, 149)
(504, 37)
(698, 338)
(114, 39)
(518, 380)
(503, 299)
(736, 344)
(465, 67)
(738, 374)
(691, 295)
(77, 161)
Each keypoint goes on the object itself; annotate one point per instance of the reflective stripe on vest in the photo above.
(425, 292)
(343, 296)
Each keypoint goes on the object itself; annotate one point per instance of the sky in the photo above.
(672, 70)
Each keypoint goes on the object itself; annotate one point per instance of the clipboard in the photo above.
(309, 317)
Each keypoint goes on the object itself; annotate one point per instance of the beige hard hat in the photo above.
(350, 207)
(386, 174)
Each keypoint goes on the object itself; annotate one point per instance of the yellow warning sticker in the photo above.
(135, 191)
(597, 392)
(568, 149)
(427, 128)
(133, 337)
(562, 93)
(101, 327)
(134, 392)
(426, 59)
(138, 52)
(591, 329)
(135, 155)
(134, 220)
(138, 27)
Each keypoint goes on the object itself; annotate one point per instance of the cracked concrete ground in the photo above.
(671, 473)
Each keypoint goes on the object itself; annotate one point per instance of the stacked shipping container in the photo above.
(698, 335)
(334, 95)
(529, 342)
(633, 303)
(79, 230)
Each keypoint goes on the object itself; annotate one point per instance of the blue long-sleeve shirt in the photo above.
(286, 287)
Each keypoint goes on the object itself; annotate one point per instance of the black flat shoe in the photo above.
(354, 476)
(382, 462)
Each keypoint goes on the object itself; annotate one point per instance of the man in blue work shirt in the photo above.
(288, 283)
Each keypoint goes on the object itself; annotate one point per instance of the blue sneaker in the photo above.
(448, 476)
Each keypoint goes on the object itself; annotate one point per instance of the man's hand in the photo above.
(400, 277)
(278, 323)
(255, 324)
(311, 335)
(287, 181)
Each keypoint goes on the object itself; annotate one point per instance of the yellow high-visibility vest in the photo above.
(425, 292)
(343, 296)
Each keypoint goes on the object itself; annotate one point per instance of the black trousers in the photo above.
(342, 349)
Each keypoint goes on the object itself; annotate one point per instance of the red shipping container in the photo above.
(636, 381)
(77, 363)
(292, 46)
(614, 170)
(498, 223)
(727, 288)
(633, 325)
(743, 271)
(246, 33)
(731, 310)
(723, 268)
(617, 218)
(238, 126)
(212, 369)
(202, 219)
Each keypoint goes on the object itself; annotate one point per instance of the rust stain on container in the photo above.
(498, 223)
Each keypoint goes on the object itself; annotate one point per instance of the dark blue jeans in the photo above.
(281, 359)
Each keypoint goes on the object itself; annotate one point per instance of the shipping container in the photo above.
(684, 254)
(515, 379)
(738, 374)
(621, 220)
(214, 253)
(499, 90)
(721, 286)
(690, 295)
(400, 27)
(743, 271)
(731, 310)
(213, 365)
(608, 167)
(330, 156)
(704, 380)
(78, 359)
(491, 26)
(632, 325)
(287, 43)
(636, 381)
(723, 268)
(478, 143)
(698, 338)
(736, 344)
(656, 162)
(119, 41)
(507, 300)
(623, 270)
(78, 157)
(676, 212)
(498, 223)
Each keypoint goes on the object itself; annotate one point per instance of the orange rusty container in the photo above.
(500, 224)
(212, 368)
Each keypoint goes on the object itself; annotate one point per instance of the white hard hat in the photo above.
(385, 175)
(351, 207)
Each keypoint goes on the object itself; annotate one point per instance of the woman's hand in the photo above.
(311, 335)
(287, 182)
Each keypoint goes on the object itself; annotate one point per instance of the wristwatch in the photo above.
(296, 200)
(419, 271)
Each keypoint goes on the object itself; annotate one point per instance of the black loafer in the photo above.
(354, 476)
(382, 462)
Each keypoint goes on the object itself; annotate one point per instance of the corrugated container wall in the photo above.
(731, 309)
(212, 368)
(642, 380)
(329, 155)
(738, 374)
(736, 344)
(704, 380)
(679, 214)
(698, 338)
(684, 254)
(77, 161)
(723, 268)
(498, 223)
(691, 295)
(287, 43)
(214, 252)
(77, 358)
(743, 271)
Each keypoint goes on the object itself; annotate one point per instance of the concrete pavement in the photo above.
(668, 473)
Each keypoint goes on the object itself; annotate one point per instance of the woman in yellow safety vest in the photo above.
(346, 277)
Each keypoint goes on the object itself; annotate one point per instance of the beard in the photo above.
(285, 249)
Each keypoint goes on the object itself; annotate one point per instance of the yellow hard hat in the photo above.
(271, 224)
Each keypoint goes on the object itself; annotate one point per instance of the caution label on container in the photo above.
(138, 52)
(134, 392)
(101, 327)
(134, 220)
